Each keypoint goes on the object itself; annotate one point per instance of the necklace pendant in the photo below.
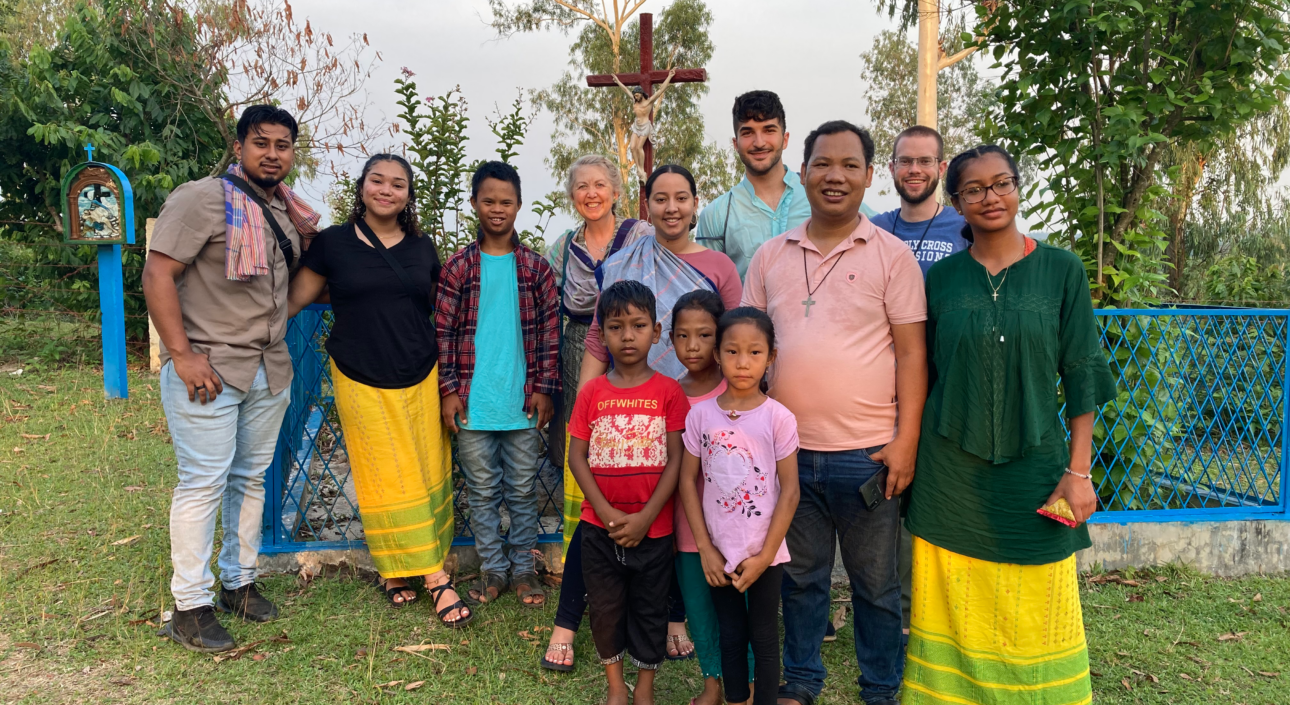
(995, 295)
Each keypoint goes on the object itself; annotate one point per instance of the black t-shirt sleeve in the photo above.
(315, 258)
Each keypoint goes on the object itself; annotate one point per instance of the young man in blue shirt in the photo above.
(932, 230)
(498, 323)
(770, 199)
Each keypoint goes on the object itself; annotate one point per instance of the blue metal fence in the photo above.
(1198, 429)
(1196, 433)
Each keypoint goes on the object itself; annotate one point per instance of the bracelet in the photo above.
(1068, 471)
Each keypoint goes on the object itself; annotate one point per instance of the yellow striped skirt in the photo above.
(572, 500)
(985, 633)
(400, 457)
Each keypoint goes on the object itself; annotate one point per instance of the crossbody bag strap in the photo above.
(730, 202)
(284, 243)
(399, 271)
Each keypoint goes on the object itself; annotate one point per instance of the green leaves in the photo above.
(1106, 89)
(436, 130)
(890, 66)
(88, 86)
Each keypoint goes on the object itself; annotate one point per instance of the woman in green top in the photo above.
(996, 613)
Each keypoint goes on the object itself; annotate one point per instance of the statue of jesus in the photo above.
(643, 127)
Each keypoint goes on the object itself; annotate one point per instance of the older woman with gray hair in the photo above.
(594, 186)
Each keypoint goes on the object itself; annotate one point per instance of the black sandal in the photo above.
(560, 665)
(383, 584)
(439, 590)
(528, 585)
(496, 581)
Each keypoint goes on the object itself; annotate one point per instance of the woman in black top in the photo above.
(381, 274)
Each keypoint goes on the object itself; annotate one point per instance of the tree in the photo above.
(596, 120)
(1233, 181)
(436, 131)
(86, 89)
(24, 23)
(1099, 91)
(258, 53)
(963, 96)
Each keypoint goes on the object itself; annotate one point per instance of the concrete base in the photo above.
(1229, 549)
(1225, 548)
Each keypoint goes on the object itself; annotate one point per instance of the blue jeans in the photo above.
(497, 466)
(831, 511)
(223, 448)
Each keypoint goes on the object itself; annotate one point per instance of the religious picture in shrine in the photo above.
(92, 210)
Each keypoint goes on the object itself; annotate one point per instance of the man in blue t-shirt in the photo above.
(932, 230)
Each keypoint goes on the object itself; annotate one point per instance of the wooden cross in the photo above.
(646, 78)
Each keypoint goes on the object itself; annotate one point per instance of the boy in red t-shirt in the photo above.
(625, 452)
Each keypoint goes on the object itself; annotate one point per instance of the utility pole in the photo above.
(932, 59)
(929, 58)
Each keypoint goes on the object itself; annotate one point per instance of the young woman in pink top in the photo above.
(745, 445)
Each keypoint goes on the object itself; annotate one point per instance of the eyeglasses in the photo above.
(922, 162)
(976, 194)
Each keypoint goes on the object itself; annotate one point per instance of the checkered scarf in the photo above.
(245, 251)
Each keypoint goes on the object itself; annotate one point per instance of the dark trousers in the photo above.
(573, 590)
(831, 513)
(750, 618)
(627, 592)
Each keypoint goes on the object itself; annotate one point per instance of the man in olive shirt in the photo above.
(216, 285)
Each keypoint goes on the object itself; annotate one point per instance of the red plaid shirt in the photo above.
(457, 315)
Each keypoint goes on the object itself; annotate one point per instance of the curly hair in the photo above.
(408, 219)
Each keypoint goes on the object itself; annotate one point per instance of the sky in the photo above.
(808, 53)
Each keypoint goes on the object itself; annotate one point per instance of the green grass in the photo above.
(43, 341)
(104, 476)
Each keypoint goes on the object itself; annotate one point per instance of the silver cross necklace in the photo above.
(810, 293)
(994, 290)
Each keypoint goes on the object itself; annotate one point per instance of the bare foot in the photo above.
(711, 694)
(616, 697)
(447, 597)
(560, 648)
(644, 692)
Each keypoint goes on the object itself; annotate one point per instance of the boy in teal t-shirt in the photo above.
(497, 319)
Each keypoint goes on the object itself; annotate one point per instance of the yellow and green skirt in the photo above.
(985, 633)
(400, 457)
(572, 501)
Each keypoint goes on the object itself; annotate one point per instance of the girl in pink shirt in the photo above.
(742, 445)
(694, 339)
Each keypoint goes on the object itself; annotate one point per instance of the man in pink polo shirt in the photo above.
(849, 309)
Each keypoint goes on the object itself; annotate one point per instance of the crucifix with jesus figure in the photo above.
(645, 79)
